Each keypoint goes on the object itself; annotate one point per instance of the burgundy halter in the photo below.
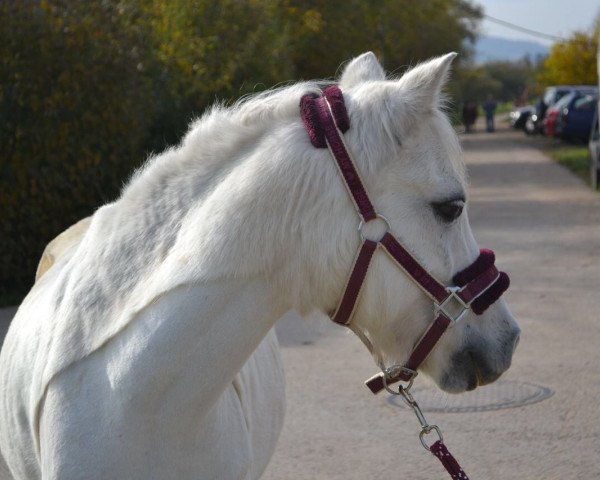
(476, 287)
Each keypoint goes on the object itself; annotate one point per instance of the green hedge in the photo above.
(89, 89)
(72, 128)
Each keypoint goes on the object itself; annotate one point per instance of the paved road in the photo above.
(545, 227)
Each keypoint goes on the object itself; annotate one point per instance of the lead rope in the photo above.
(448, 461)
(438, 448)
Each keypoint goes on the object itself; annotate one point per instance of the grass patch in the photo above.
(575, 158)
(504, 107)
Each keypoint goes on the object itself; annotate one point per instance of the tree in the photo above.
(516, 79)
(88, 89)
(400, 32)
(572, 62)
(208, 51)
(474, 85)
(73, 116)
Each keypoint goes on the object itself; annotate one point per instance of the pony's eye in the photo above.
(448, 211)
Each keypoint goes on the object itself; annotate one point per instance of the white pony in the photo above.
(146, 349)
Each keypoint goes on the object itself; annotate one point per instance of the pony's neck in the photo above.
(258, 215)
(212, 330)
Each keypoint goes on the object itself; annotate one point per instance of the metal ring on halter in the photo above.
(397, 369)
(425, 431)
(362, 224)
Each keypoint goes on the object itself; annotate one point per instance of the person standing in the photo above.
(489, 107)
(469, 114)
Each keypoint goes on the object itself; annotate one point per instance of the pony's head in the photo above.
(410, 160)
(282, 212)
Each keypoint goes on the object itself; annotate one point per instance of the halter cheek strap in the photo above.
(476, 287)
(325, 119)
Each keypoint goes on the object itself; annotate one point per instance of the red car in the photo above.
(553, 113)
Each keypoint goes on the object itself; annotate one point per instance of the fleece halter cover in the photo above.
(476, 287)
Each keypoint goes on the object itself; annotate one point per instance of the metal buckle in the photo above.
(404, 392)
(362, 224)
(426, 427)
(427, 430)
(392, 372)
(460, 310)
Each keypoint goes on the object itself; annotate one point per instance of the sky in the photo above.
(553, 17)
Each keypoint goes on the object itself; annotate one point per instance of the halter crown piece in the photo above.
(476, 287)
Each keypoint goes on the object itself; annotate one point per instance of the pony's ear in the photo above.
(363, 68)
(422, 85)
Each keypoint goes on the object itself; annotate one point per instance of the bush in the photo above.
(74, 119)
(88, 89)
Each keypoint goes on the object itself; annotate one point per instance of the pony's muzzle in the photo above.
(480, 363)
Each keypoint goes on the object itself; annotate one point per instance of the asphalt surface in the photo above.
(544, 225)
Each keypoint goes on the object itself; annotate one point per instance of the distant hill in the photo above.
(489, 49)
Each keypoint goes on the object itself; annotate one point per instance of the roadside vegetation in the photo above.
(89, 89)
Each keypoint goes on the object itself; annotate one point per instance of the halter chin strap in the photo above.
(476, 287)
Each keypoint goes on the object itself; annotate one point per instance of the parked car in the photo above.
(519, 116)
(594, 148)
(552, 114)
(535, 122)
(575, 119)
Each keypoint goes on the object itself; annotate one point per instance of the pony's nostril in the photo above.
(516, 336)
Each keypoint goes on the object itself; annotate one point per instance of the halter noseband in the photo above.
(476, 287)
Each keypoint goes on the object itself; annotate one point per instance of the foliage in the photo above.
(400, 32)
(88, 89)
(573, 62)
(517, 79)
(475, 85)
(72, 110)
(208, 50)
(506, 81)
